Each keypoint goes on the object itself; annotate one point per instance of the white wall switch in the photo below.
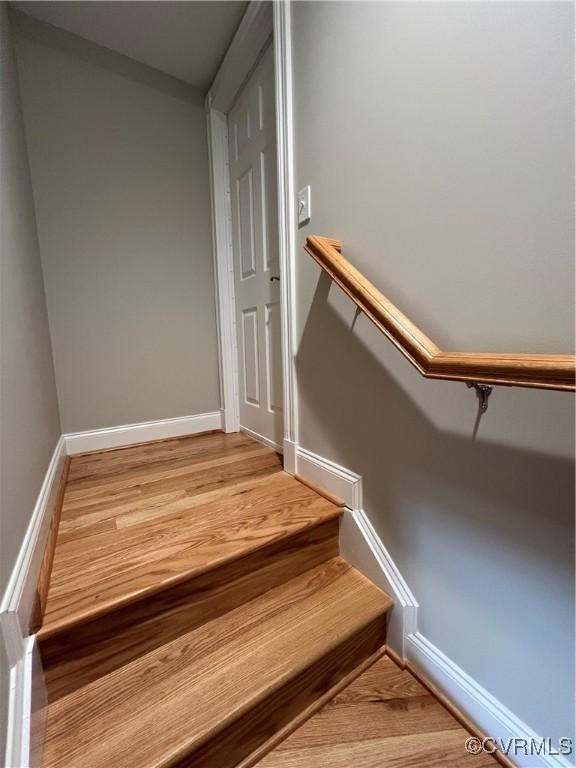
(304, 206)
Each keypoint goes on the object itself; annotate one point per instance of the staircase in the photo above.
(197, 607)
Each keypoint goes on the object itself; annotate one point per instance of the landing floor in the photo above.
(384, 719)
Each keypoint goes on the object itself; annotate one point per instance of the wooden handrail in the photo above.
(542, 371)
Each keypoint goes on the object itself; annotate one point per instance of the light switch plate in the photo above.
(304, 205)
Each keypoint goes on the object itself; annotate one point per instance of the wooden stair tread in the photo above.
(137, 521)
(385, 717)
(209, 684)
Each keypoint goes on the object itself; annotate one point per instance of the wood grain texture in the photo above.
(146, 523)
(384, 718)
(94, 648)
(320, 491)
(48, 559)
(464, 721)
(305, 714)
(211, 695)
(459, 716)
(522, 370)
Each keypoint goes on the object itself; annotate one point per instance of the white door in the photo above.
(253, 191)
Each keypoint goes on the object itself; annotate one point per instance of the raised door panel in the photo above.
(245, 218)
(249, 351)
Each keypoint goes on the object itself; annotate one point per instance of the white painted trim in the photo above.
(290, 449)
(360, 545)
(262, 439)
(128, 434)
(337, 480)
(362, 548)
(484, 710)
(286, 212)
(249, 41)
(27, 689)
(27, 708)
(20, 595)
(223, 266)
(19, 711)
(38, 707)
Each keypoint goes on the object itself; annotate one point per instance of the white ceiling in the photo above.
(186, 39)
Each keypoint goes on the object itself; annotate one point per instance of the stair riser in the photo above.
(78, 655)
(254, 727)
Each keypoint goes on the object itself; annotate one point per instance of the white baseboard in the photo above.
(27, 696)
(38, 707)
(360, 544)
(19, 709)
(26, 709)
(290, 456)
(486, 712)
(261, 439)
(20, 595)
(116, 437)
(363, 549)
(340, 482)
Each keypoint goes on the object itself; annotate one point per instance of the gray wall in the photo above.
(29, 419)
(119, 162)
(29, 422)
(438, 140)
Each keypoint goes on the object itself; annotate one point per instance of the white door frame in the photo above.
(260, 22)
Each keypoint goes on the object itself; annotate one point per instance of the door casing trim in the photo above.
(261, 21)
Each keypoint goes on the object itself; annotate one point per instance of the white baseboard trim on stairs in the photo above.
(490, 716)
(26, 721)
(289, 456)
(340, 482)
(19, 708)
(20, 595)
(27, 691)
(116, 437)
(361, 546)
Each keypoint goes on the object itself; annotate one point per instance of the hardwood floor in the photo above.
(197, 604)
(212, 695)
(140, 520)
(385, 718)
(199, 615)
